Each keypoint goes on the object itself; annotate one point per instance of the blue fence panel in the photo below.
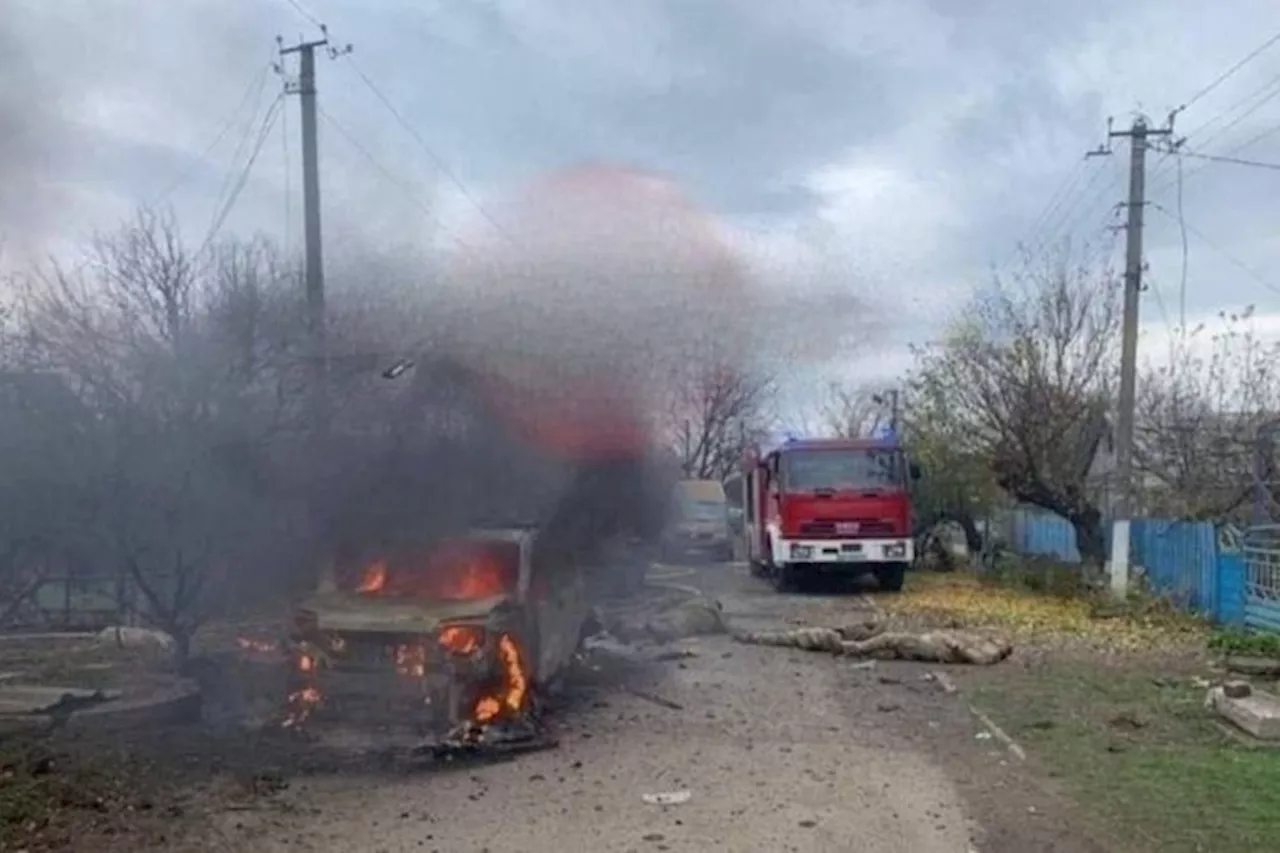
(1180, 559)
(1231, 589)
(1045, 535)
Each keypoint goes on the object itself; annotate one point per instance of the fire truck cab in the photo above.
(828, 506)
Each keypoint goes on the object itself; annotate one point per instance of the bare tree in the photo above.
(852, 411)
(1198, 418)
(183, 359)
(714, 411)
(1023, 382)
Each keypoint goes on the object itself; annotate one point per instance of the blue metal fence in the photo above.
(1180, 558)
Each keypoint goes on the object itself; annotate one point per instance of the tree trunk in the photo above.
(1091, 540)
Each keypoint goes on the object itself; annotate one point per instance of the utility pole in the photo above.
(1137, 135)
(313, 264)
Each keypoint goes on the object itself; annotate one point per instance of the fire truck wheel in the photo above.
(891, 577)
(785, 578)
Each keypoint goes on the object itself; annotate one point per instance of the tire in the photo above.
(891, 577)
(784, 578)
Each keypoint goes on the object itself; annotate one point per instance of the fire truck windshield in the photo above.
(839, 470)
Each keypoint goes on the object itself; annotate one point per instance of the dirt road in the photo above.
(779, 751)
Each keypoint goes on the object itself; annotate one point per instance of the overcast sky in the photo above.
(893, 148)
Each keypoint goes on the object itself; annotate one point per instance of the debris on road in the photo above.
(129, 637)
(943, 681)
(655, 699)
(667, 798)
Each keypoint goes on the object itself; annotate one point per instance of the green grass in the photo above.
(1143, 758)
(1245, 643)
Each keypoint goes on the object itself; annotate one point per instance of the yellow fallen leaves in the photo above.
(962, 601)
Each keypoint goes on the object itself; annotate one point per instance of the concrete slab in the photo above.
(36, 699)
(1258, 713)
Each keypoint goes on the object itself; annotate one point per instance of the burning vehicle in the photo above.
(516, 476)
(447, 646)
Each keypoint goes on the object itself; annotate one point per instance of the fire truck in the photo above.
(822, 505)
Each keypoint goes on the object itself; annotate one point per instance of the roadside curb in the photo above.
(178, 703)
(999, 734)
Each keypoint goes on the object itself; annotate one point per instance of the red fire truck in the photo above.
(824, 505)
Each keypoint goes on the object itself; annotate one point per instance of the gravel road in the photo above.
(779, 751)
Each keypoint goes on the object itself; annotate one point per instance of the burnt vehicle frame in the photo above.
(421, 673)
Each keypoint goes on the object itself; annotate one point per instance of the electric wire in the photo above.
(246, 140)
(391, 177)
(268, 122)
(1084, 205)
(1235, 161)
(253, 91)
(1226, 75)
(1260, 98)
(1227, 255)
(435, 158)
(288, 182)
(304, 12)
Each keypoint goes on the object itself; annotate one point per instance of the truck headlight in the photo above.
(895, 550)
(802, 552)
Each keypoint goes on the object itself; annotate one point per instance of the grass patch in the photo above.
(1235, 641)
(1142, 755)
(1049, 616)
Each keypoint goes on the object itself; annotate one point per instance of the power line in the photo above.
(245, 141)
(1213, 244)
(422, 143)
(1260, 97)
(302, 10)
(391, 177)
(268, 122)
(1224, 76)
(1086, 200)
(1219, 158)
(258, 82)
(288, 183)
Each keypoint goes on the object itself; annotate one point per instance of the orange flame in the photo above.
(462, 639)
(374, 579)
(455, 571)
(303, 703)
(516, 690)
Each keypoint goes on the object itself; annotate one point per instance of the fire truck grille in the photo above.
(850, 528)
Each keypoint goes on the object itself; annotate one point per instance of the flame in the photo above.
(516, 688)
(461, 571)
(374, 580)
(462, 639)
(487, 710)
(454, 571)
(301, 703)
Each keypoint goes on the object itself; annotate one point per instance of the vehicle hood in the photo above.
(349, 611)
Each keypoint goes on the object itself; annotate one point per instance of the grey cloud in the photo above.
(988, 103)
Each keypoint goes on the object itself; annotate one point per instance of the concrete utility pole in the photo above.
(313, 268)
(1137, 134)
